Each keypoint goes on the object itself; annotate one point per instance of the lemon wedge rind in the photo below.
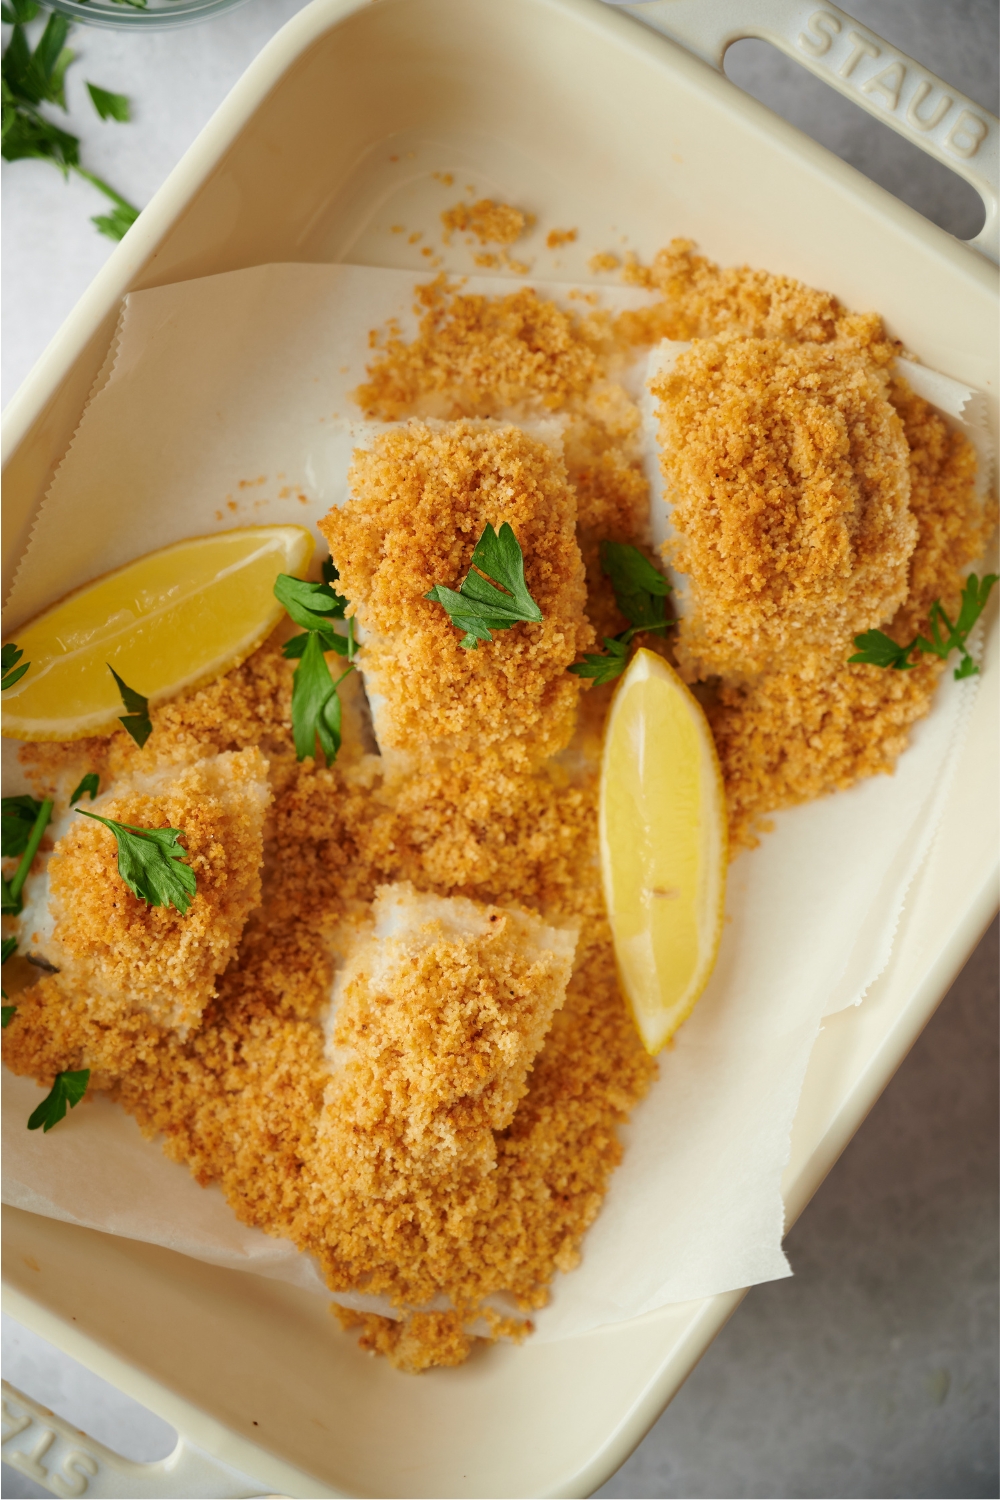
(663, 842)
(167, 622)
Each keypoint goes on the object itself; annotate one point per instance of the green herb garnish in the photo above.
(10, 655)
(7, 1012)
(33, 78)
(68, 1089)
(17, 818)
(109, 106)
(640, 592)
(137, 721)
(603, 666)
(11, 902)
(876, 649)
(90, 783)
(316, 710)
(494, 598)
(151, 863)
(640, 589)
(314, 606)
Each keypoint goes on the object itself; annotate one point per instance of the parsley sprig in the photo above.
(32, 78)
(136, 722)
(17, 818)
(876, 649)
(151, 863)
(16, 811)
(7, 1012)
(640, 592)
(90, 783)
(10, 655)
(67, 1089)
(316, 708)
(315, 606)
(493, 598)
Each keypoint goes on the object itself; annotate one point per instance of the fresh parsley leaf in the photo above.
(343, 645)
(604, 668)
(878, 650)
(639, 588)
(68, 1089)
(17, 817)
(10, 905)
(7, 1014)
(19, 12)
(316, 708)
(9, 947)
(117, 223)
(947, 637)
(91, 783)
(311, 605)
(316, 712)
(10, 655)
(109, 106)
(151, 863)
(137, 721)
(479, 605)
(33, 78)
(640, 591)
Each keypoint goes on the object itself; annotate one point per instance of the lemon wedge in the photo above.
(663, 836)
(168, 621)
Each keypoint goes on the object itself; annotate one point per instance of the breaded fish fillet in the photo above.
(421, 498)
(109, 945)
(787, 471)
(437, 1016)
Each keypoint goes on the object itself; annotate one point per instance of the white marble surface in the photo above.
(874, 1371)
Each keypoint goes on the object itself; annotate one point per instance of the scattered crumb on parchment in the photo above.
(491, 223)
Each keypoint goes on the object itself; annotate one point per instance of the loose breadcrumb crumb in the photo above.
(556, 238)
(491, 223)
(604, 260)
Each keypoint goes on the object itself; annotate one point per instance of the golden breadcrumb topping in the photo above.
(604, 260)
(697, 299)
(491, 223)
(556, 238)
(478, 356)
(420, 500)
(787, 474)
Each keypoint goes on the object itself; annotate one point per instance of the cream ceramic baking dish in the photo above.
(576, 108)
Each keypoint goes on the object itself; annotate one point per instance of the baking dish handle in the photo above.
(861, 65)
(64, 1460)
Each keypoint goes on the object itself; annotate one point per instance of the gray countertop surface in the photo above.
(873, 1372)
